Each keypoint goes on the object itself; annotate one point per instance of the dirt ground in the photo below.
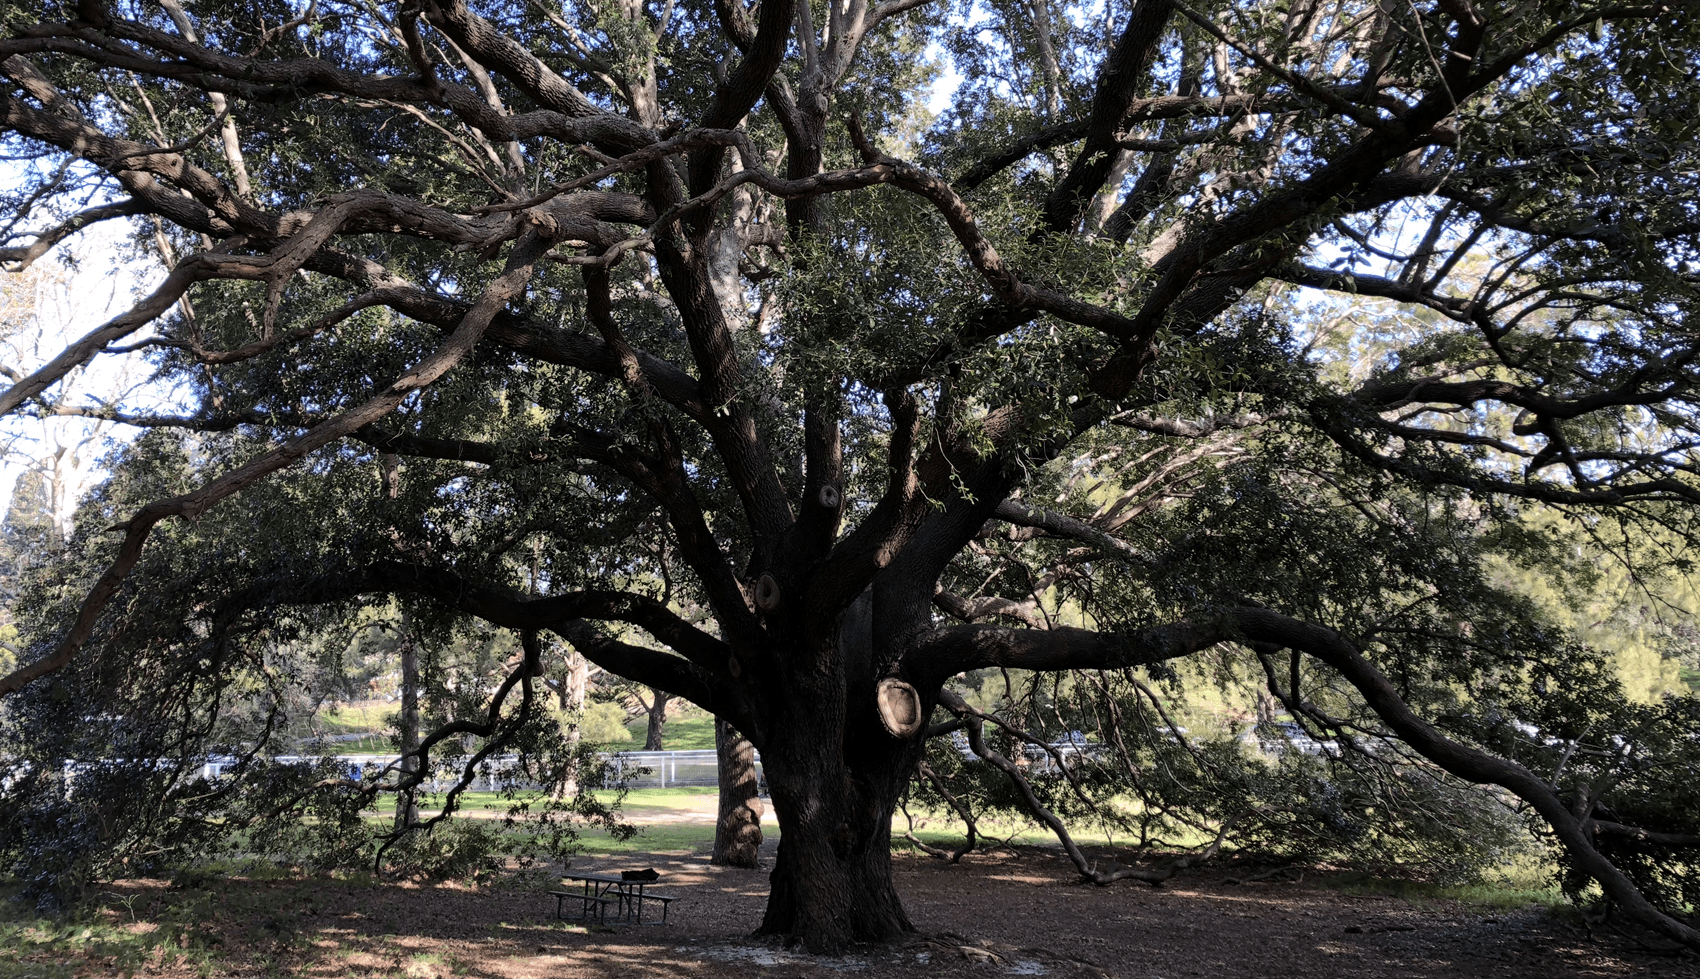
(992, 916)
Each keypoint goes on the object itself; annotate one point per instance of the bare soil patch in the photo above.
(992, 916)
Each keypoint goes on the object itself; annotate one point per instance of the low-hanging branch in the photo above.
(975, 725)
(496, 736)
(967, 647)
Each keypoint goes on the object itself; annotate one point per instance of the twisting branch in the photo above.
(1188, 428)
(953, 650)
(1063, 525)
(1601, 827)
(24, 256)
(975, 723)
(1120, 78)
(520, 612)
(251, 350)
(959, 806)
(980, 251)
(1465, 762)
(972, 713)
(496, 734)
(1298, 83)
(136, 530)
(194, 269)
(986, 607)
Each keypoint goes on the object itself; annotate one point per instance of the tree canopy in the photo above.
(1303, 335)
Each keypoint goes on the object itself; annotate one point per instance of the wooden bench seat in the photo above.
(588, 902)
(665, 899)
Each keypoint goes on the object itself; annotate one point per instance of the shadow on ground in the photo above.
(994, 915)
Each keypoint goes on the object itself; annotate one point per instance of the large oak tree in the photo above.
(683, 331)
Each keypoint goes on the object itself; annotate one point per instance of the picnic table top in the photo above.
(600, 878)
(608, 879)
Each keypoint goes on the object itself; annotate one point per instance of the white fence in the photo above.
(637, 769)
(661, 769)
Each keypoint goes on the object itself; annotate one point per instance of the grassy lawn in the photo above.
(665, 798)
(680, 734)
(947, 832)
(654, 838)
(366, 716)
(42, 947)
(636, 799)
(655, 812)
(1527, 880)
(372, 744)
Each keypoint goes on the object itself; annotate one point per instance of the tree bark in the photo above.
(1266, 707)
(835, 776)
(737, 831)
(407, 808)
(573, 683)
(831, 885)
(658, 720)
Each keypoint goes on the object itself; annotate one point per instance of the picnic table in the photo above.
(599, 892)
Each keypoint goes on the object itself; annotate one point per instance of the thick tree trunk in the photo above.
(657, 720)
(835, 781)
(737, 833)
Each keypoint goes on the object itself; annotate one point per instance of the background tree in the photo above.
(655, 719)
(27, 537)
(695, 300)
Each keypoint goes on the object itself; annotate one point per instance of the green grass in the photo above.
(1524, 883)
(46, 948)
(355, 718)
(1489, 893)
(640, 805)
(949, 834)
(656, 838)
(373, 744)
(1528, 880)
(660, 797)
(635, 799)
(679, 734)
